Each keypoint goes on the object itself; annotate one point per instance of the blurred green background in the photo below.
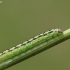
(22, 19)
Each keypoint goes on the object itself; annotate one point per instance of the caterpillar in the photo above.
(28, 47)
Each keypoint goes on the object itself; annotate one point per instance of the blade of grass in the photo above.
(42, 47)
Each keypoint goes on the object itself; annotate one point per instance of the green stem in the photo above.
(42, 47)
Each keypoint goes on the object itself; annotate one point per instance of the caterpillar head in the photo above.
(56, 32)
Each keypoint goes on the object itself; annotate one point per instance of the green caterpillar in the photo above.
(27, 48)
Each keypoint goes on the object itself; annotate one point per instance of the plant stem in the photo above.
(34, 51)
